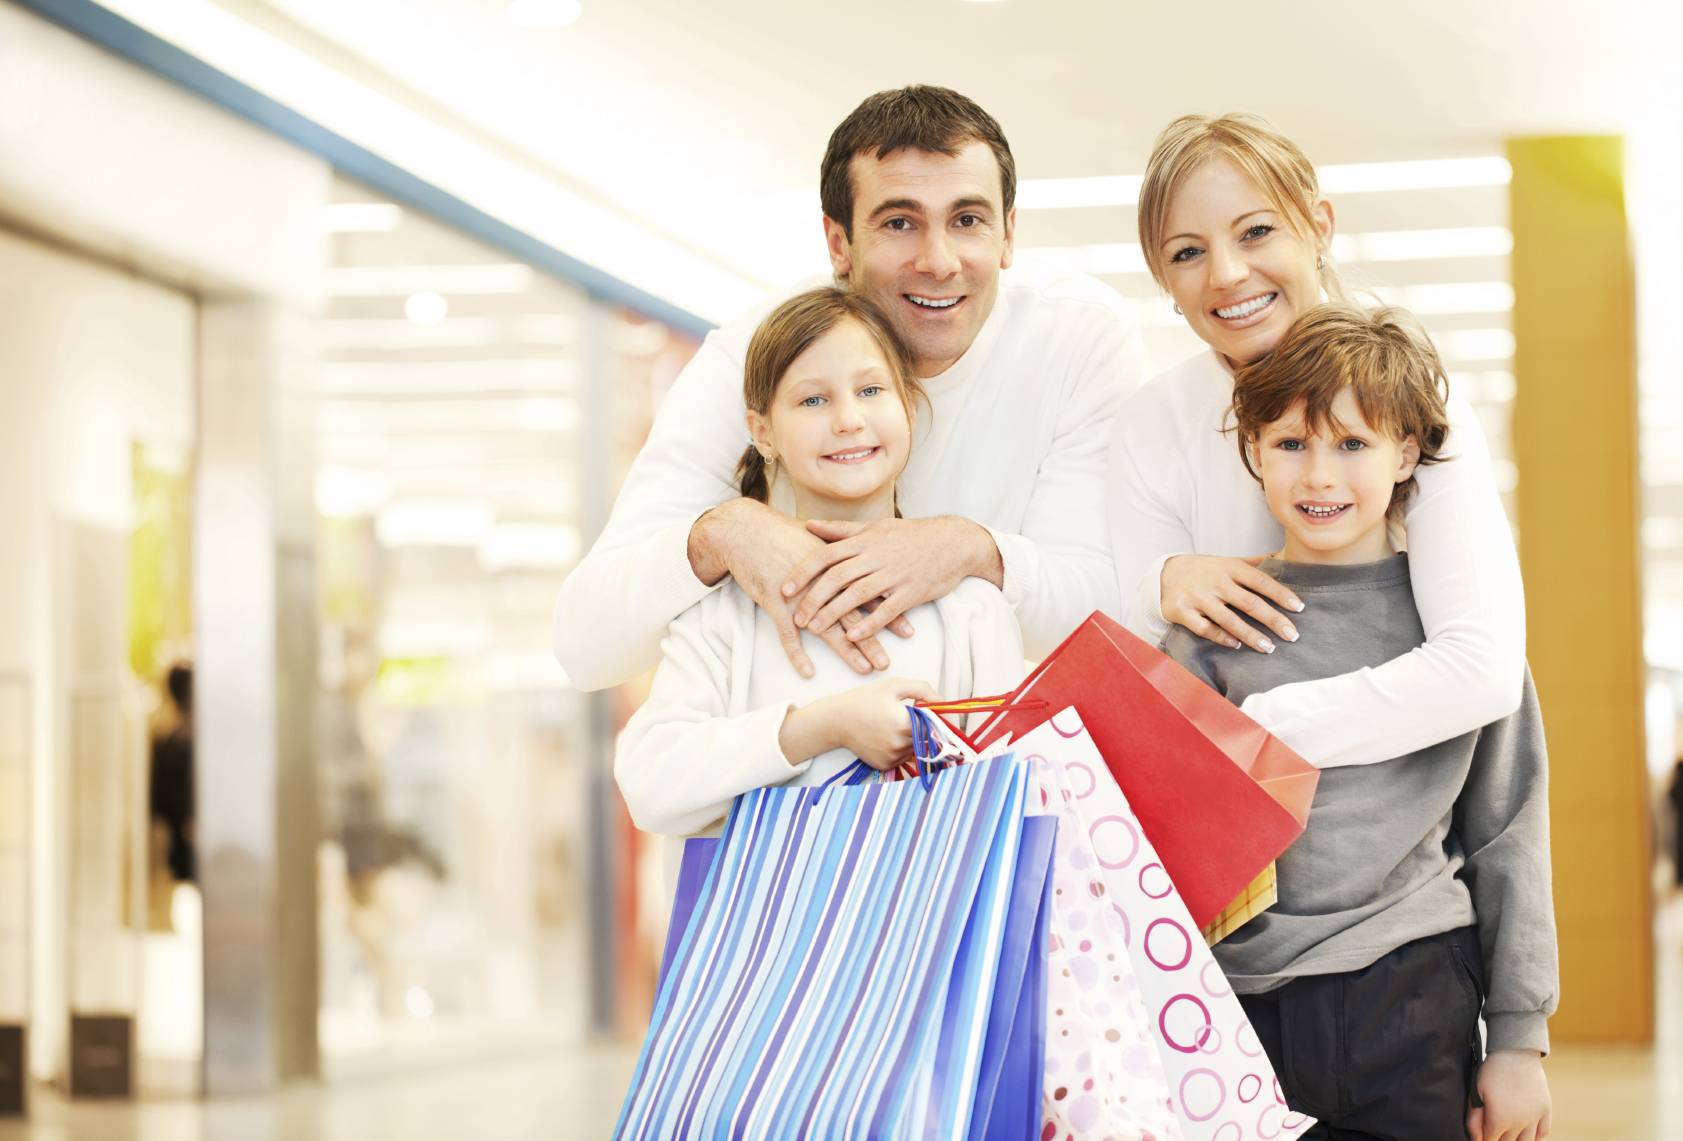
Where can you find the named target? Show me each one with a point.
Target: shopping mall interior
(329, 328)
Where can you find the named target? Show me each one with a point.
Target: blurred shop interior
(327, 331)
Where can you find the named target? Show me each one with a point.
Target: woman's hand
(1208, 593)
(869, 720)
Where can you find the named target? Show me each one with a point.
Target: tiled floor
(1600, 1094)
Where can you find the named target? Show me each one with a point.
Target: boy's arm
(1471, 600)
(1502, 819)
(681, 760)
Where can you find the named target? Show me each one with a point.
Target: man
(1006, 478)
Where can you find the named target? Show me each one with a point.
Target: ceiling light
(1451, 297)
(1477, 344)
(1348, 178)
(1074, 193)
(545, 13)
(1100, 258)
(1427, 174)
(426, 309)
(359, 217)
(389, 280)
(1424, 245)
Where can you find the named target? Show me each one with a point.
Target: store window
(458, 418)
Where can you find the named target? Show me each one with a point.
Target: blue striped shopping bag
(864, 960)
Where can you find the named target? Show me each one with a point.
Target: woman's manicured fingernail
(1291, 633)
(1266, 646)
(1297, 605)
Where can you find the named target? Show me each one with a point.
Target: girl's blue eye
(1290, 445)
(1353, 445)
(870, 390)
(812, 402)
(1185, 253)
(1260, 230)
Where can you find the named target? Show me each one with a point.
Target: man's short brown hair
(1382, 355)
(933, 119)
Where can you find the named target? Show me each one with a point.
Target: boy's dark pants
(1390, 1051)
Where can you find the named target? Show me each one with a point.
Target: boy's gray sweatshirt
(1428, 842)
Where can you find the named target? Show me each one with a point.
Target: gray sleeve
(1502, 818)
(1197, 654)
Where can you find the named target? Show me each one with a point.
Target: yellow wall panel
(1574, 438)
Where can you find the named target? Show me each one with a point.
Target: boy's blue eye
(1352, 445)
(812, 402)
(1290, 445)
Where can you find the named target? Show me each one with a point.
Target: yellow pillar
(1575, 443)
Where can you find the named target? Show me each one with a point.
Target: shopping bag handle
(998, 703)
(856, 773)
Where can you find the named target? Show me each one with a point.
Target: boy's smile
(1330, 487)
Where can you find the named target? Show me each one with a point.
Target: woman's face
(1237, 270)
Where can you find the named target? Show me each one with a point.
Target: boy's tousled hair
(1381, 355)
(933, 119)
(790, 330)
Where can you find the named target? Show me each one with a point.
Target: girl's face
(838, 427)
(1237, 270)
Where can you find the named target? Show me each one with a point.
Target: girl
(830, 395)
(1234, 229)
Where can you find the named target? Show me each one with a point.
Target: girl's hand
(1207, 593)
(870, 721)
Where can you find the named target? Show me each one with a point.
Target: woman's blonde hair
(1273, 162)
(790, 330)
(1383, 356)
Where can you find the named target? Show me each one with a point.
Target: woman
(1234, 229)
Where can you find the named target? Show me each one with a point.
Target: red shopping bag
(1218, 795)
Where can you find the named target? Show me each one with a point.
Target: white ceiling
(706, 121)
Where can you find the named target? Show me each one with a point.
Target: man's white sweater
(1014, 438)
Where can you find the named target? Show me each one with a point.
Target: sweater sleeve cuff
(672, 576)
(1016, 555)
(1148, 602)
(765, 765)
(1520, 1030)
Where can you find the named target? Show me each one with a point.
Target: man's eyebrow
(974, 202)
(911, 204)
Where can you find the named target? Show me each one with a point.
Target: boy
(1415, 876)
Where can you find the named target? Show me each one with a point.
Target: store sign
(101, 1055)
(14, 1070)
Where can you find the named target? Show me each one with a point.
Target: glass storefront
(456, 416)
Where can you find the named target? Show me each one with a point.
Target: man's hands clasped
(843, 582)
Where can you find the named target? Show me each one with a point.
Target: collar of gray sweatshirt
(1442, 838)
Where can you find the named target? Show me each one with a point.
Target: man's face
(930, 235)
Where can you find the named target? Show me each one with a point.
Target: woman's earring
(1178, 313)
(1320, 261)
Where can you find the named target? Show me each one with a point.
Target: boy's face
(1330, 489)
